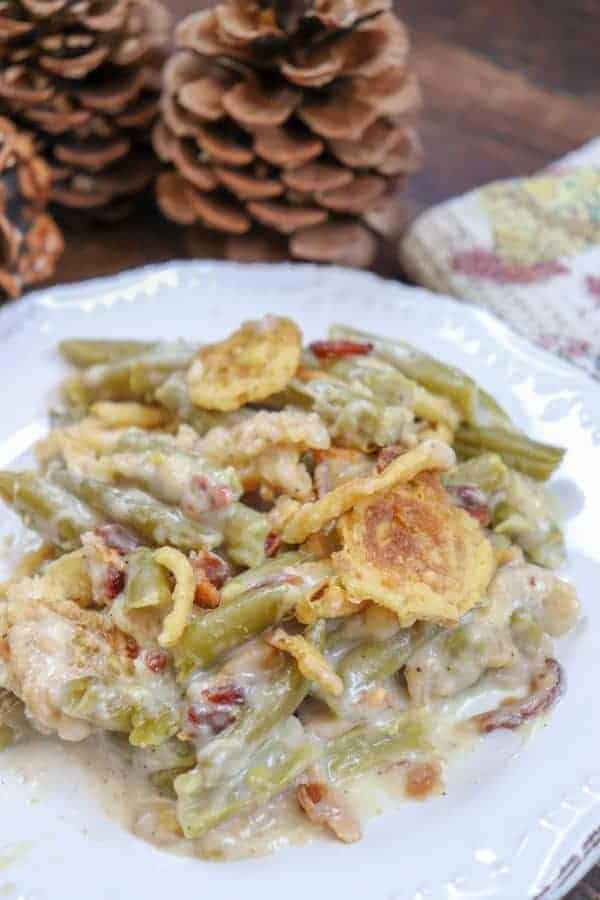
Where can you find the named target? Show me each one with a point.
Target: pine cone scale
(302, 110)
(82, 75)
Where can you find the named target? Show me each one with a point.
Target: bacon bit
(473, 501)
(218, 496)
(156, 661)
(212, 566)
(114, 582)
(422, 780)
(132, 648)
(315, 791)
(206, 594)
(117, 538)
(272, 543)
(216, 720)
(388, 454)
(325, 806)
(226, 695)
(546, 687)
(339, 349)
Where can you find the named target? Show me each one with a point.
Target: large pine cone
(292, 119)
(30, 241)
(84, 76)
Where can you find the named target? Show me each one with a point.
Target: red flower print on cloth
(592, 283)
(482, 263)
(571, 348)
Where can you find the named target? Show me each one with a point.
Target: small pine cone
(30, 241)
(292, 120)
(84, 77)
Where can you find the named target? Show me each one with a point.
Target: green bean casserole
(286, 581)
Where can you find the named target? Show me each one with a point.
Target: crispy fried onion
(256, 361)
(87, 436)
(126, 415)
(545, 688)
(311, 661)
(414, 552)
(183, 594)
(332, 602)
(326, 806)
(261, 431)
(266, 449)
(312, 517)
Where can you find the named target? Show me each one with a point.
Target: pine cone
(84, 76)
(291, 119)
(30, 241)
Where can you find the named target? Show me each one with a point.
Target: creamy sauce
(118, 779)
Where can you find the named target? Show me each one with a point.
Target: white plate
(516, 821)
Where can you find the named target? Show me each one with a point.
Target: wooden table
(509, 85)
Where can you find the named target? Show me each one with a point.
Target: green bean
(164, 780)
(156, 522)
(368, 746)
(123, 707)
(518, 451)
(85, 352)
(253, 578)
(353, 416)
(211, 635)
(436, 376)
(269, 704)
(176, 476)
(487, 472)
(245, 531)
(53, 511)
(373, 661)
(147, 581)
(391, 387)
(275, 766)
(133, 378)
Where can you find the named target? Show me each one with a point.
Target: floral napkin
(528, 249)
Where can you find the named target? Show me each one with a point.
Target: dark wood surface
(509, 86)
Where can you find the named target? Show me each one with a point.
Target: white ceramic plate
(516, 821)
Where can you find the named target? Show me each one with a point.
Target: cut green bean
(437, 377)
(245, 531)
(156, 522)
(391, 387)
(373, 661)
(124, 707)
(179, 478)
(147, 582)
(84, 352)
(270, 703)
(133, 378)
(368, 746)
(518, 451)
(211, 635)
(53, 511)
(253, 578)
(272, 769)
(487, 472)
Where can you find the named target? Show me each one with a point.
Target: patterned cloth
(527, 249)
